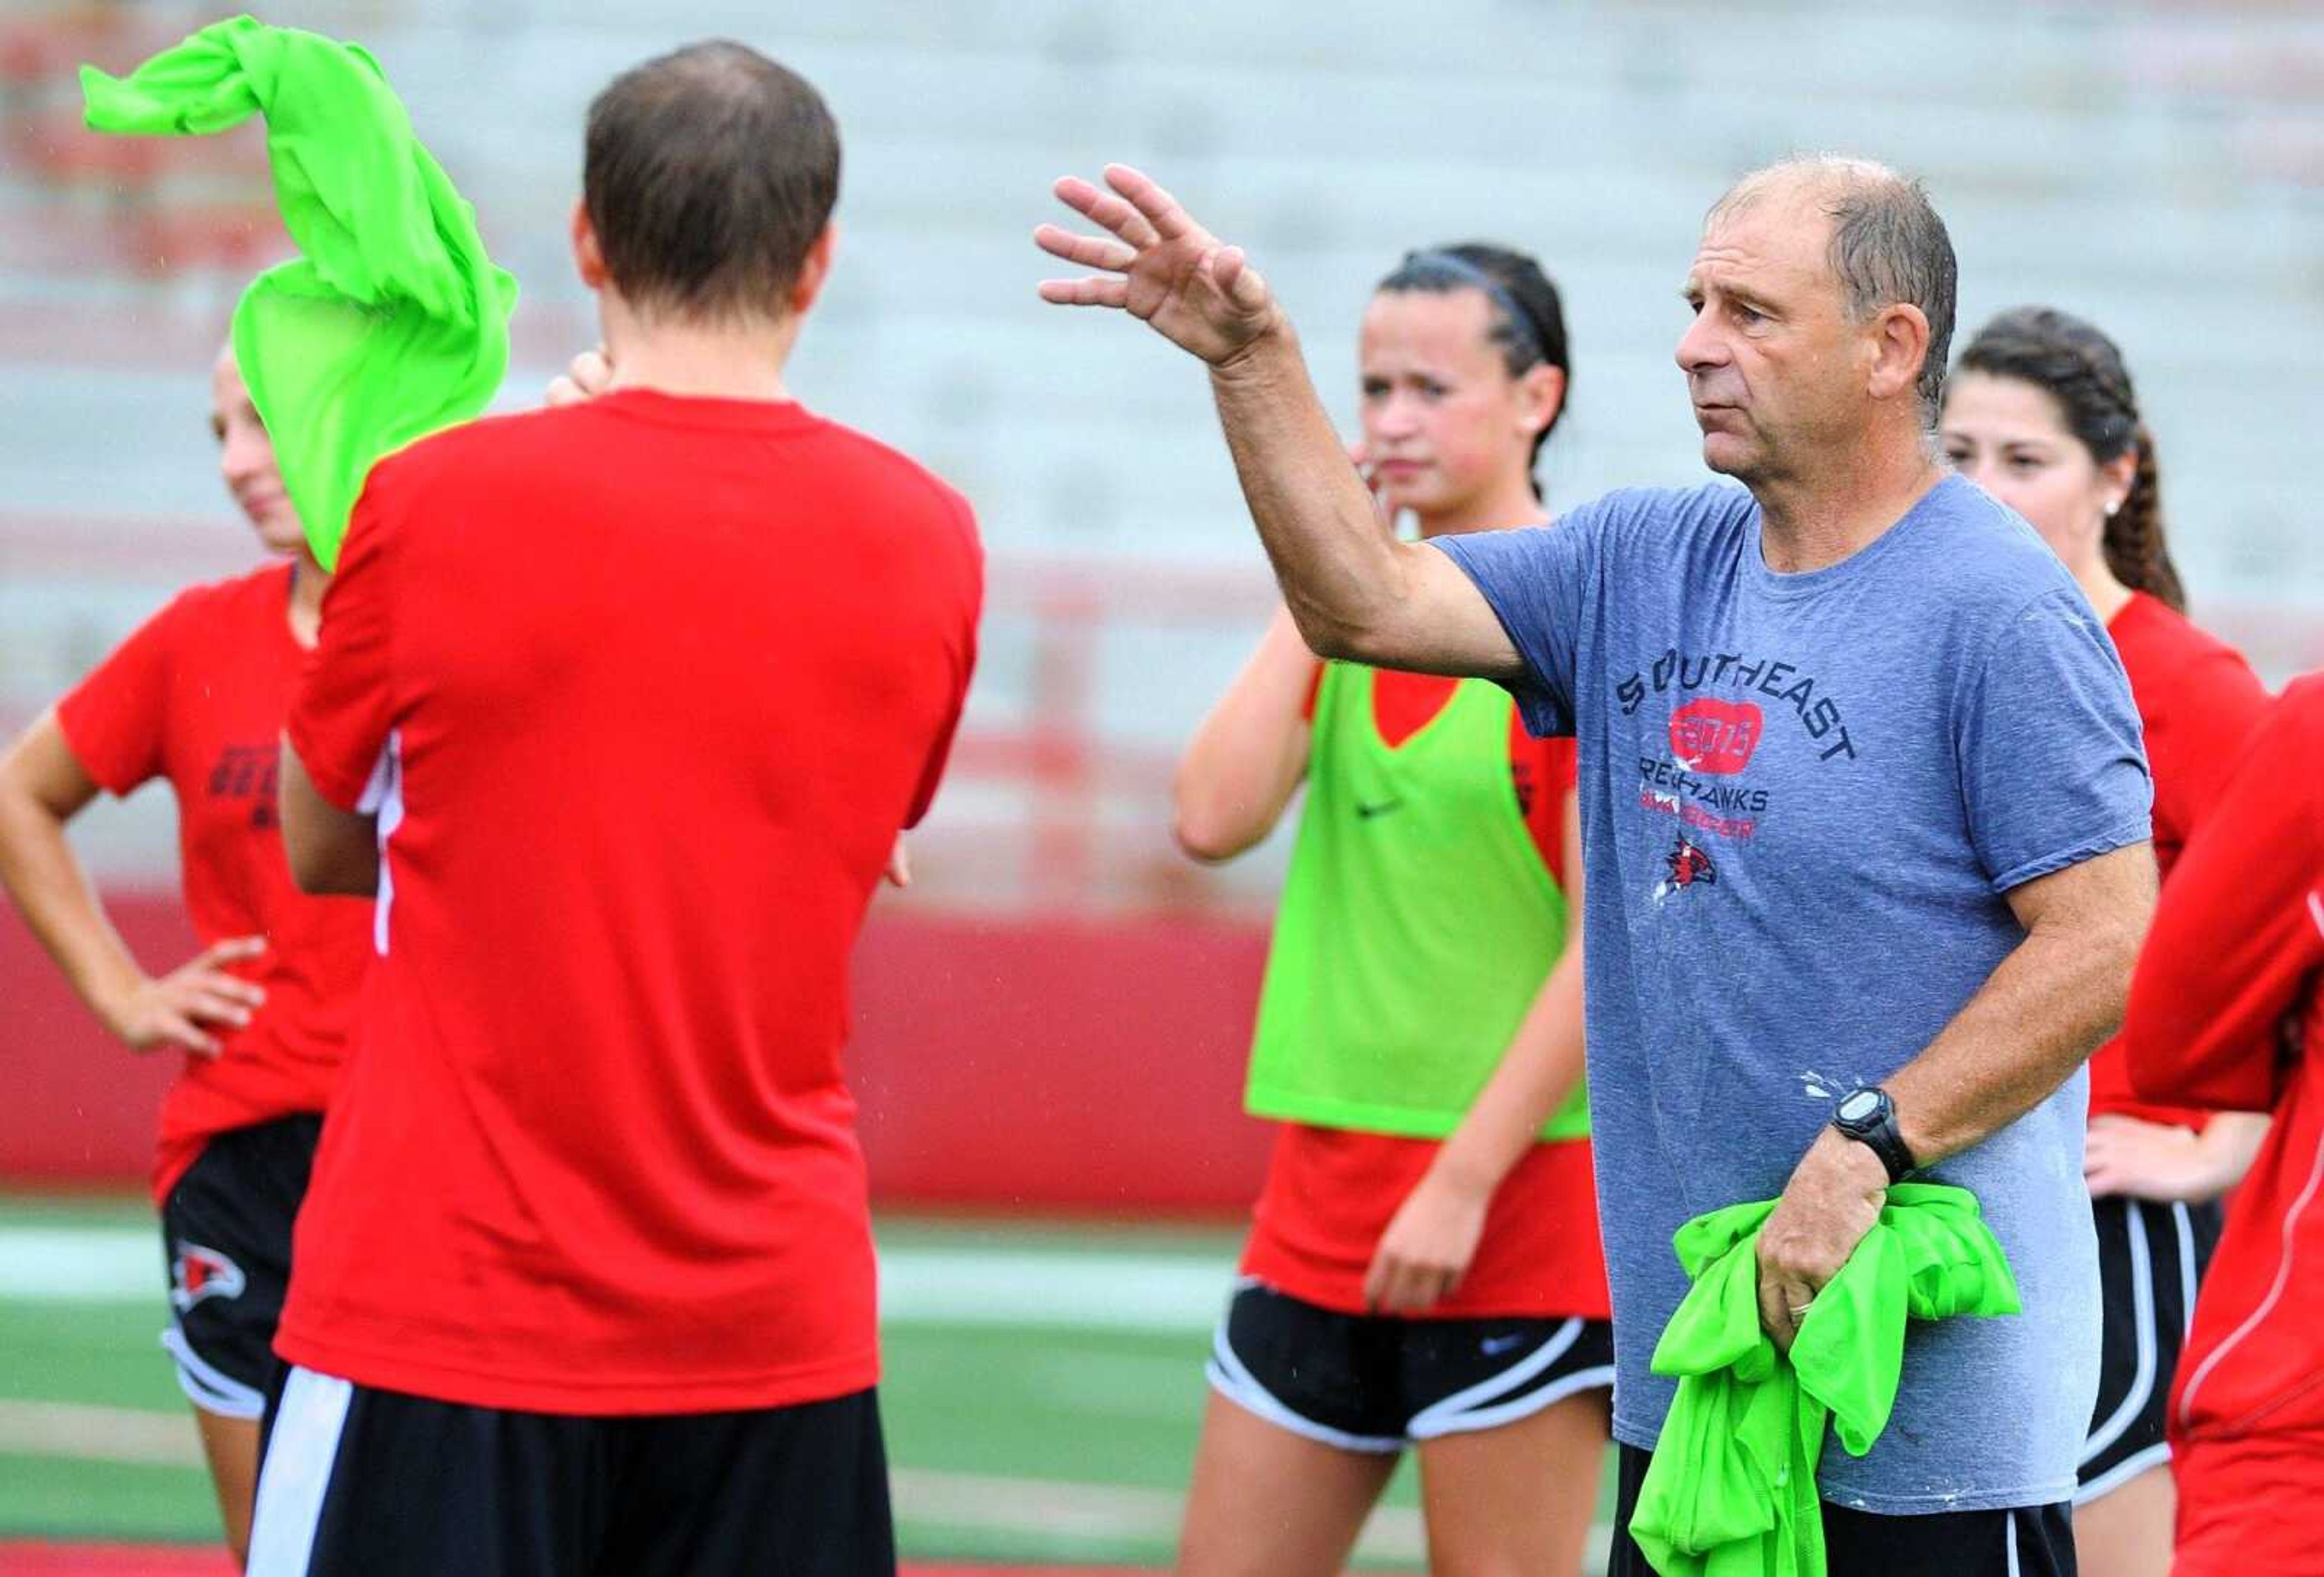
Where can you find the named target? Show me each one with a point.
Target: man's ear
(588, 258)
(1900, 347)
(815, 268)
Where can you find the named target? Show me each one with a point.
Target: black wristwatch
(1869, 1118)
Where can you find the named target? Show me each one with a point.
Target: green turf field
(1044, 1385)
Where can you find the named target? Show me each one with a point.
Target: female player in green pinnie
(1424, 1268)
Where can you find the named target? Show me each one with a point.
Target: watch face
(1857, 1105)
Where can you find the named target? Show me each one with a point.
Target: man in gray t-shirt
(1865, 808)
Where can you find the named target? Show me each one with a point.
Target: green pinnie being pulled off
(393, 322)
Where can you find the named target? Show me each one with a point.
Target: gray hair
(1889, 247)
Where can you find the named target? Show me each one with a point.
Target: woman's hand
(179, 1009)
(1427, 1247)
(2150, 1160)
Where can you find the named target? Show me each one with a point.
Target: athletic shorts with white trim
(357, 1482)
(2151, 1258)
(2020, 1541)
(225, 1240)
(1378, 1383)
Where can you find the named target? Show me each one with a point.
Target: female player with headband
(197, 695)
(2042, 412)
(1425, 1267)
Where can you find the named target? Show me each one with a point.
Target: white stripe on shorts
(300, 1456)
(1231, 1380)
(1474, 1408)
(2142, 1303)
(206, 1385)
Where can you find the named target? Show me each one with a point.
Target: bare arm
(1429, 1245)
(331, 851)
(1355, 591)
(42, 787)
(2161, 1161)
(2038, 1016)
(1241, 768)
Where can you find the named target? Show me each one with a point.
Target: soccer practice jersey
(2225, 1013)
(2197, 701)
(641, 692)
(198, 696)
(1331, 1192)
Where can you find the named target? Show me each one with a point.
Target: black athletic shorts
(2149, 1259)
(225, 1235)
(1378, 1383)
(2022, 1541)
(357, 1482)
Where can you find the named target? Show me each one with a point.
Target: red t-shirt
(2225, 1013)
(1331, 1192)
(2199, 700)
(642, 691)
(197, 695)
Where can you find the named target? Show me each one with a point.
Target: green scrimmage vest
(1417, 927)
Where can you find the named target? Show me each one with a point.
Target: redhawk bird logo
(1688, 867)
(197, 1273)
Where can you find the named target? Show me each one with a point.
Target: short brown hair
(1889, 247)
(709, 173)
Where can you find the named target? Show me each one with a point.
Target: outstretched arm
(1355, 591)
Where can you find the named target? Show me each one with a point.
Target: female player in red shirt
(197, 695)
(2225, 1013)
(1425, 1267)
(2042, 414)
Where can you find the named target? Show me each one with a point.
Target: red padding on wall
(1000, 1063)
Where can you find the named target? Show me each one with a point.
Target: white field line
(985, 1502)
(1093, 1289)
(99, 1434)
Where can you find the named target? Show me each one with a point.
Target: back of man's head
(709, 173)
(1888, 246)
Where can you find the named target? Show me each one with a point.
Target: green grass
(1116, 1408)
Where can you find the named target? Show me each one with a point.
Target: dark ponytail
(1528, 319)
(2082, 369)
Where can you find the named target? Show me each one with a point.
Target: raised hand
(179, 1009)
(1159, 266)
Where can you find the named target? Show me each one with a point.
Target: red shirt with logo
(1331, 1192)
(641, 692)
(198, 696)
(2197, 701)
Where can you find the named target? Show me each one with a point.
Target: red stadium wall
(1001, 1063)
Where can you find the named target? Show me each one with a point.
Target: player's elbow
(2110, 947)
(1205, 829)
(332, 853)
(324, 870)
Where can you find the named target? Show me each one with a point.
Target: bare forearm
(1340, 572)
(2231, 1141)
(2039, 1016)
(1542, 1066)
(1244, 762)
(60, 904)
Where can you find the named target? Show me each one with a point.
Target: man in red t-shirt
(620, 707)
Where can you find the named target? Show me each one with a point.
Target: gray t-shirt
(1802, 799)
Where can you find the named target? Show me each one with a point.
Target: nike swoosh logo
(1382, 809)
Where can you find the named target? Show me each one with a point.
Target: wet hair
(2082, 370)
(708, 174)
(1889, 247)
(1529, 318)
